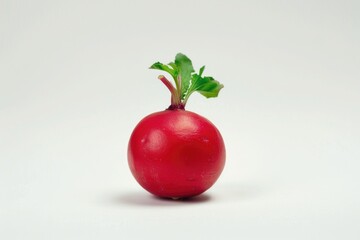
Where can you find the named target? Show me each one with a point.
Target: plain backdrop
(74, 82)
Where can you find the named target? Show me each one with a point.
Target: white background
(74, 81)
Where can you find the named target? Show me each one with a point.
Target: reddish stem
(175, 99)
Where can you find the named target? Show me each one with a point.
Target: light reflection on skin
(155, 140)
(185, 125)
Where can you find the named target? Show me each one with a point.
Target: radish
(177, 153)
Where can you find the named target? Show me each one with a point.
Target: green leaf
(186, 81)
(167, 68)
(173, 65)
(201, 70)
(206, 86)
(185, 69)
(209, 87)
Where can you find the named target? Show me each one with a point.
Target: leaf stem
(175, 99)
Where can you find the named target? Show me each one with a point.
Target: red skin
(176, 154)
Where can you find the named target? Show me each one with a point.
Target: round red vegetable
(177, 153)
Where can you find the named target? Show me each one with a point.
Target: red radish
(177, 153)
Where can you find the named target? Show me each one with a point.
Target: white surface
(74, 82)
